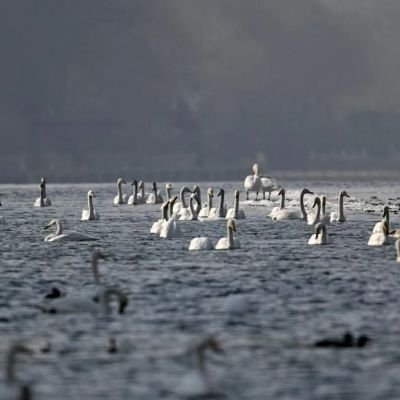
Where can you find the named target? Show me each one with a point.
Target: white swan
(235, 212)
(229, 242)
(191, 215)
(303, 192)
(397, 244)
(393, 233)
(196, 191)
(325, 218)
(315, 218)
(156, 227)
(142, 196)
(43, 200)
(252, 183)
(204, 212)
(16, 389)
(170, 228)
(182, 204)
(154, 197)
(120, 198)
(198, 383)
(90, 214)
(320, 236)
(379, 236)
(168, 191)
(201, 243)
(220, 211)
(282, 213)
(133, 199)
(339, 216)
(70, 304)
(268, 184)
(59, 235)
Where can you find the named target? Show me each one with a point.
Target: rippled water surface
(298, 294)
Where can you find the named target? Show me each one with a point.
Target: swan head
(317, 202)
(196, 189)
(90, 193)
(236, 194)
(195, 196)
(281, 192)
(185, 189)
(121, 181)
(134, 183)
(51, 223)
(141, 184)
(210, 192)
(323, 200)
(42, 180)
(168, 186)
(221, 192)
(155, 186)
(343, 193)
(231, 225)
(306, 191)
(386, 210)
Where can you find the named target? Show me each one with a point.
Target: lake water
(298, 294)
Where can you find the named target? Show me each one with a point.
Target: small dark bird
(54, 294)
(112, 346)
(348, 340)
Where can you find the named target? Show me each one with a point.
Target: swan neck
(192, 208)
(135, 193)
(42, 196)
(59, 228)
(341, 212)
(236, 207)
(44, 189)
(90, 206)
(182, 198)
(169, 193)
(210, 201)
(282, 200)
(323, 208)
(302, 208)
(318, 213)
(120, 193)
(230, 237)
(164, 213)
(221, 205)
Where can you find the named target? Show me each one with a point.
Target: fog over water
(185, 89)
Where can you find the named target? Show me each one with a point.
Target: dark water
(298, 294)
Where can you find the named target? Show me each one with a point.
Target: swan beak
(280, 192)
(220, 192)
(47, 226)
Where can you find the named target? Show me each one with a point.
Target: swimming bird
(303, 192)
(90, 214)
(220, 211)
(75, 305)
(348, 340)
(16, 389)
(379, 235)
(142, 196)
(320, 236)
(156, 227)
(393, 233)
(59, 235)
(314, 218)
(120, 198)
(182, 204)
(252, 183)
(282, 213)
(325, 218)
(204, 212)
(229, 242)
(196, 191)
(198, 382)
(168, 191)
(170, 228)
(192, 214)
(339, 216)
(43, 200)
(133, 198)
(235, 212)
(154, 197)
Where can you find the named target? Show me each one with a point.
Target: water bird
(182, 205)
(268, 185)
(205, 211)
(220, 211)
(320, 236)
(282, 213)
(339, 216)
(252, 183)
(133, 198)
(314, 218)
(229, 242)
(234, 212)
(43, 200)
(90, 214)
(191, 213)
(120, 198)
(156, 227)
(198, 383)
(59, 235)
(346, 341)
(170, 228)
(155, 196)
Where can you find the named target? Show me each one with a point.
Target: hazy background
(190, 89)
